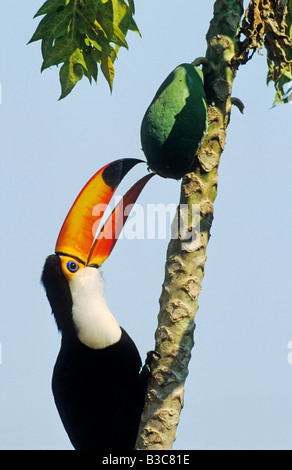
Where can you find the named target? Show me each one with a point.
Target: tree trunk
(185, 261)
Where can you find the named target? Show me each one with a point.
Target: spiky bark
(185, 264)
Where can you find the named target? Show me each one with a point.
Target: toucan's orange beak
(78, 233)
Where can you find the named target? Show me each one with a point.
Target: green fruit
(175, 122)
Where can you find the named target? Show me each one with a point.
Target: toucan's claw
(146, 369)
(151, 356)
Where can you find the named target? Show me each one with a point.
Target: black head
(58, 292)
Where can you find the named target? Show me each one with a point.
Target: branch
(185, 262)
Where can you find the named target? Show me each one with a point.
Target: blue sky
(239, 388)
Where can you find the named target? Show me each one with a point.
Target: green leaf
(50, 6)
(54, 55)
(54, 25)
(71, 72)
(107, 69)
(43, 30)
(91, 65)
(132, 26)
(115, 7)
(108, 18)
(85, 18)
(82, 34)
(132, 6)
(125, 18)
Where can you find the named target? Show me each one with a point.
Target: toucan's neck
(95, 325)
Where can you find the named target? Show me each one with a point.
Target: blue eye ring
(72, 266)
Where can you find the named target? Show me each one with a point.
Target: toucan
(98, 380)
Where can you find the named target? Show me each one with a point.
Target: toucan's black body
(99, 393)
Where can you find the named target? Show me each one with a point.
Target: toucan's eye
(72, 266)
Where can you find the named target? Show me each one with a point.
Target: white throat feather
(96, 327)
